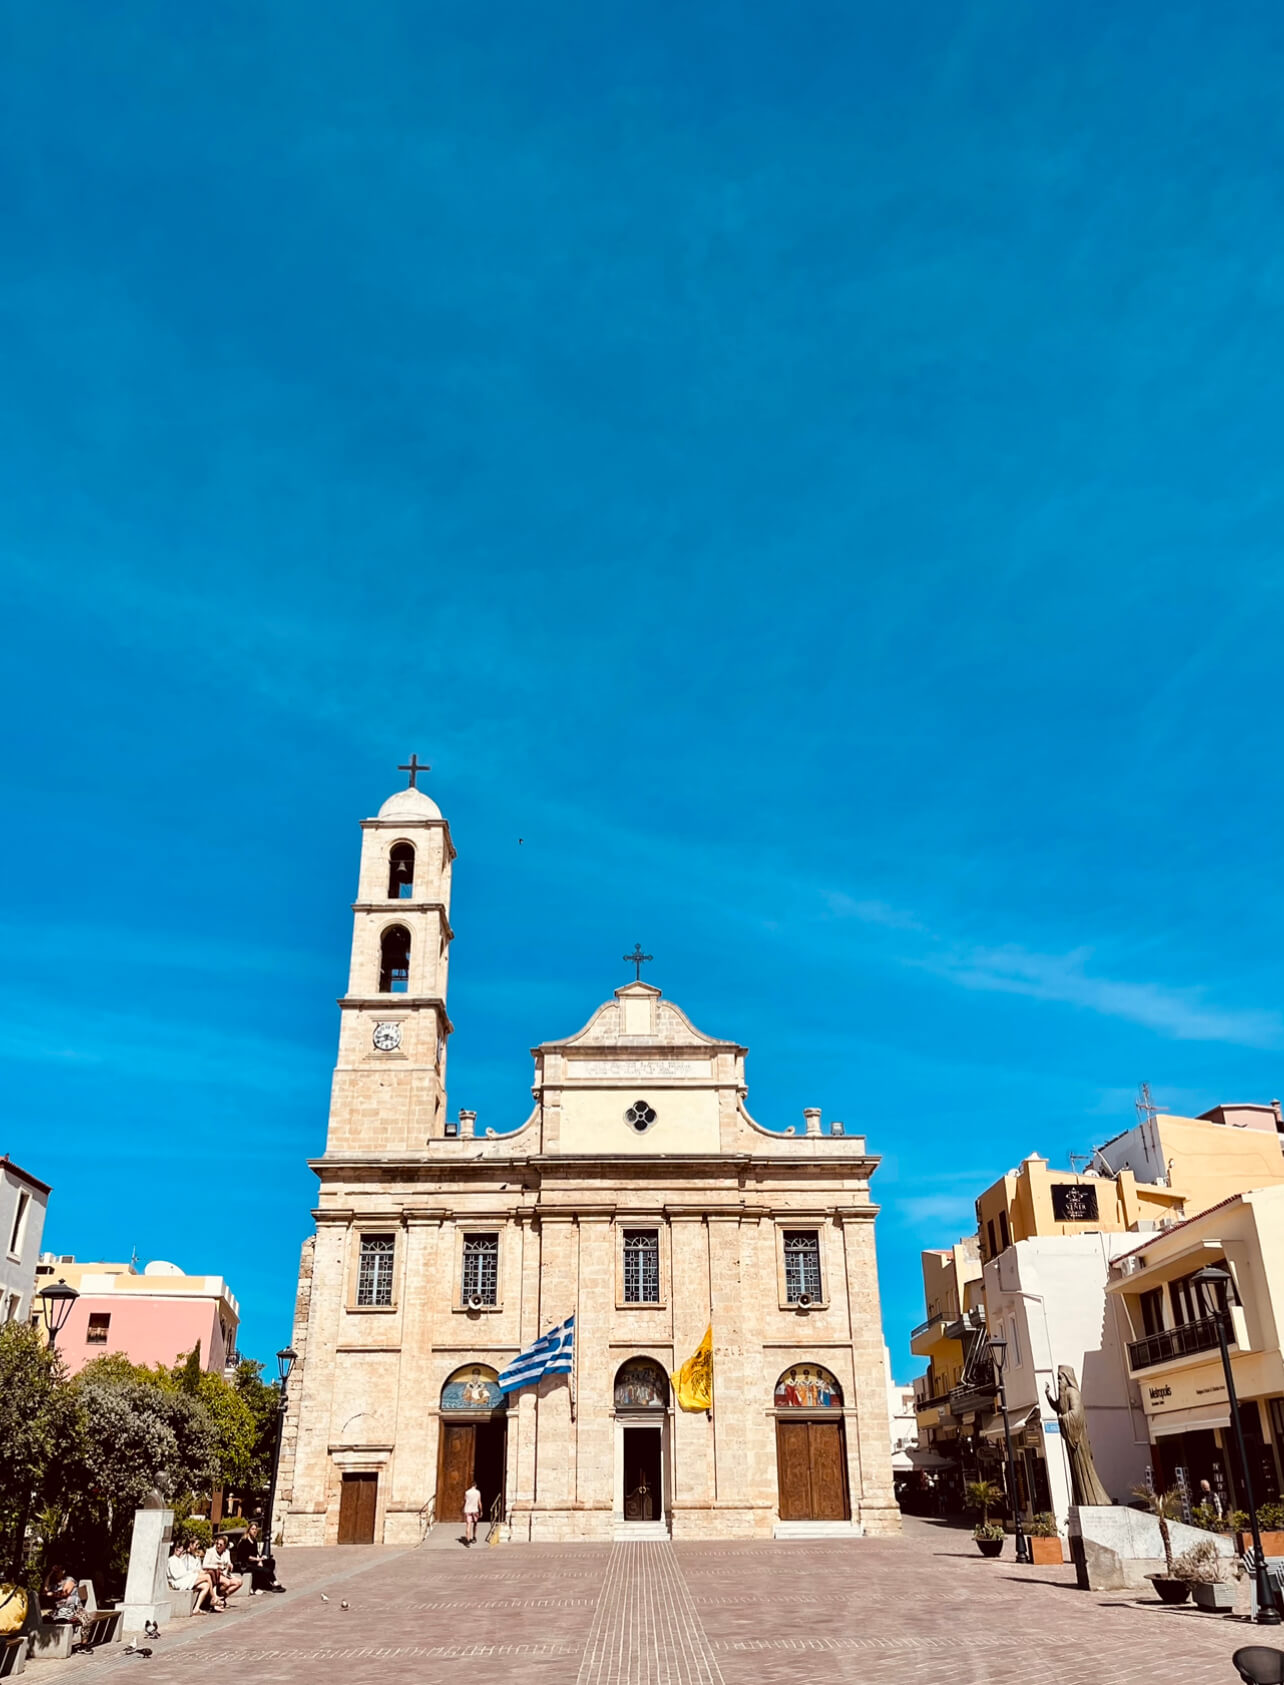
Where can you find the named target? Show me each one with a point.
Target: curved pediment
(639, 1016)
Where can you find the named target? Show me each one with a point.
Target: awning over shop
(992, 1426)
(918, 1457)
(1193, 1418)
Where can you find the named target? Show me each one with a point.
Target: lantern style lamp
(999, 1352)
(56, 1301)
(1213, 1284)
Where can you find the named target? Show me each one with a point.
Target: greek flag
(552, 1354)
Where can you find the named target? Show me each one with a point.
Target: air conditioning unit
(1130, 1266)
(475, 1304)
(803, 1302)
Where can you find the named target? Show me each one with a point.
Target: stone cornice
(405, 824)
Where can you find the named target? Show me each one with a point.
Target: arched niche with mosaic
(641, 1384)
(808, 1386)
(472, 1390)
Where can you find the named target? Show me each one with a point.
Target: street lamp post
(285, 1361)
(1212, 1284)
(999, 1351)
(56, 1301)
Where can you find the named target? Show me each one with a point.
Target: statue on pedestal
(1068, 1405)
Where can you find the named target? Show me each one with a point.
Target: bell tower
(389, 1090)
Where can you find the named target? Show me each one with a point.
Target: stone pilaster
(870, 1457)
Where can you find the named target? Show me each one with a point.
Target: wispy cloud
(956, 1211)
(1181, 1013)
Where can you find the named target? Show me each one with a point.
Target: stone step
(656, 1531)
(816, 1530)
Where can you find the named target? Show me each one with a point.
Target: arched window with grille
(394, 961)
(401, 872)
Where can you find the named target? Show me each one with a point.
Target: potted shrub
(984, 1495)
(1045, 1541)
(1169, 1586)
(1270, 1524)
(1204, 1570)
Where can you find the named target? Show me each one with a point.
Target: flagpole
(575, 1364)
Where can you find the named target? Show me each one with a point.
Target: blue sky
(809, 470)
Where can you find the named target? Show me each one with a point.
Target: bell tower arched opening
(401, 872)
(394, 961)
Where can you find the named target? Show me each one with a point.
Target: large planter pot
(1046, 1553)
(1272, 1543)
(1169, 1591)
(993, 1547)
(1220, 1595)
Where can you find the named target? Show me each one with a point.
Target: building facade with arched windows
(638, 1195)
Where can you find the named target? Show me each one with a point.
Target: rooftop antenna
(1147, 1110)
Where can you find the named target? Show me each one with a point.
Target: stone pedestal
(147, 1593)
(1121, 1546)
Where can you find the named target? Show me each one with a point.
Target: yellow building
(1146, 1180)
(1173, 1352)
(1164, 1169)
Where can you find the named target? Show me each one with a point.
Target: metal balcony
(1186, 1340)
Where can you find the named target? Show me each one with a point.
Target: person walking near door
(472, 1509)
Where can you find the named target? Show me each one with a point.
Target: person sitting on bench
(218, 1565)
(63, 1591)
(184, 1573)
(251, 1556)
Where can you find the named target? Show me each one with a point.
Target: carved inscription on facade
(631, 1070)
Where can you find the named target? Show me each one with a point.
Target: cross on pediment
(638, 959)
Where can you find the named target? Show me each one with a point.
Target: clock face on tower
(387, 1037)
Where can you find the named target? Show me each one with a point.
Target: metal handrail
(496, 1520)
(1185, 1340)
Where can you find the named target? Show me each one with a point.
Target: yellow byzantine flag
(693, 1383)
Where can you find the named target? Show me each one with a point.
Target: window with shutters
(374, 1269)
(642, 1266)
(802, 1266)
(480, 1280)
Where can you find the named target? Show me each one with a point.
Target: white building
(901, 1421)
(1047, 1298)
(23, 1200)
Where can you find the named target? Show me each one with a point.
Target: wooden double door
(811, 1461)
(470, 1451)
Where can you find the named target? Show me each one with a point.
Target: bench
(1274, 1575)
(13, 1653)
(99, 1628)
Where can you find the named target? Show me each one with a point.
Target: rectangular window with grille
(802, 1265)
(481, 1268)
(642, 1266)
(99, 1323)
(374, 1269)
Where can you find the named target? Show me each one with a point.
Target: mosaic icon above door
(806, 1386)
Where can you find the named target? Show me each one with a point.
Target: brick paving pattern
(925, 1609)
(646, 1630)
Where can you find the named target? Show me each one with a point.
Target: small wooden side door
(793, 1458)
(357, 1503)
(458, 1451)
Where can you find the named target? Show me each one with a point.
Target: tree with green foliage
(39, 1423)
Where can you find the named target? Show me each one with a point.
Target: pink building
(152, 1316)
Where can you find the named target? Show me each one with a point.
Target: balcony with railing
(928, 1334)
(1188, 1339)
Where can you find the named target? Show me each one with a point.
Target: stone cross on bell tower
(389, 1091)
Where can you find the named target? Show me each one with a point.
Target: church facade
(639, 1196)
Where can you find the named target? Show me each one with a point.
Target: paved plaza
(925, 1607)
